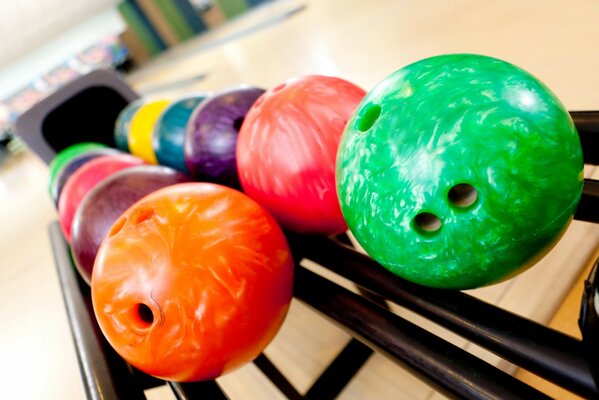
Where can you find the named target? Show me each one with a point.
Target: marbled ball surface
(459, 171)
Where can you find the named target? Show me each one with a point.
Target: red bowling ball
(83, 180)
(100, 209)
(287, 149)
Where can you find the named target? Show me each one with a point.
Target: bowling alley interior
(299, 199)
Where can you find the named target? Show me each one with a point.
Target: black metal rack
(366, 317)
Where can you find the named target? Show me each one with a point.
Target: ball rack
(454, 372)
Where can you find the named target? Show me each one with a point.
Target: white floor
(37, 357)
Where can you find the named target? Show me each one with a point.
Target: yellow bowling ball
(140, 131)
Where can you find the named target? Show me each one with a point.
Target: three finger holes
(462, 195)
(237, 123)
(143, 215)
(144, 315)
(427, 223)
(369, 116)
(116, 228)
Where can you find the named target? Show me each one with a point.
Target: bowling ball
(123, 124)
(102, 206)
(212, 131)
(65, 155)
(169, 132)
(83, 180)
(193, 281)
(287, 148)
(141, 128)
(459, 171)
(73, 165)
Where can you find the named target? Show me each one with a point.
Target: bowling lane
(363, 42)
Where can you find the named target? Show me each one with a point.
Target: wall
(58, 49)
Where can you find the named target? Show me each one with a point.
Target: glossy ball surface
(67, 154)
(123, 125)
(103, 205)
(192, 282)
(459, 171)
(73, 165)
(168, 137)
(287, 148)
(83, 180)
(141, 128)
(212, 132)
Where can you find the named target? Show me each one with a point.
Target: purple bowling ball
(211, 135)
(103, 205)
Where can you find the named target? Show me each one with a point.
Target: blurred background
(47, 43)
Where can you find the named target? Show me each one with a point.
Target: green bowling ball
(64, 156)
(459, 171)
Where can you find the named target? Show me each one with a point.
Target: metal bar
(589, 320)
(588, 207)
(587, 124)
(340, 372)
(145, 381)
(96, 366)
(543, 351)
(208, 390)
(276, 377)
(450, 369)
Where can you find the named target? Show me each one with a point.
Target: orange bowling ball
(192, 281)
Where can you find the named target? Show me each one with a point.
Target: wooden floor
(359, 41)
(565, 319)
